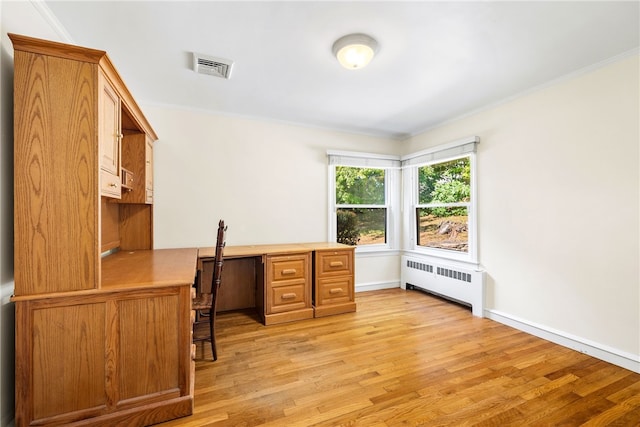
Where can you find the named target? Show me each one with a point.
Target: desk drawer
(334, 263)
(285, 268)
(289, 297)
(334, 290)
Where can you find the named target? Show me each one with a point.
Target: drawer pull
(336, 291)
(336, 264)
(288, 271)
(290, 295)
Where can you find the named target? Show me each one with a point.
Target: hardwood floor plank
(404, 358)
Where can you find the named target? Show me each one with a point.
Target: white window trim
(401, 197)
(462, 148)
(391, 164)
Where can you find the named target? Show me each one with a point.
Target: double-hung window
(363, 199)
(442, 200)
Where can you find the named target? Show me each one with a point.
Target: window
(440, 201)
(444, 198)
(361, 209)
(362, 200)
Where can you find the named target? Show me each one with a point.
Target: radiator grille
(419, 266)
(453, 274)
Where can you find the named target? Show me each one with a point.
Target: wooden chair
(204, 302)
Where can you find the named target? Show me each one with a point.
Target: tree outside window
(361, 208)
(444, 199)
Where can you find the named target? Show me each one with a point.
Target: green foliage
(347, 227)
(358, 186)
(446, 182)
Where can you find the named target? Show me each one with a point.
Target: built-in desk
(285, 282)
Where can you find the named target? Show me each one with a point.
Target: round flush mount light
(355, 51)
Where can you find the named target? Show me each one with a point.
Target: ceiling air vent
(211, 66)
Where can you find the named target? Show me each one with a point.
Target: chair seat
(202, 302)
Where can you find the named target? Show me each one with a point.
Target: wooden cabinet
(287, 293)
(100, 340)
(333, 290)
(108, 357)
(69, 106)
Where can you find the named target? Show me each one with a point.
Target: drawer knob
(290, 295)
(288, 271)
(336, 264)
(335, 291)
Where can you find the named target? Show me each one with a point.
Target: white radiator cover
(449, 281)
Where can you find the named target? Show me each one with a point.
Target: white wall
(267, 180)
(558, 193)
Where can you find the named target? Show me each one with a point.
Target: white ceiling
(437, 60)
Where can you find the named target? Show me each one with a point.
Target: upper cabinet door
(110, 133)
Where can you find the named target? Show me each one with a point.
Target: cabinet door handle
(288, 271)
(336, 264)
(335, 291)
(290, 295)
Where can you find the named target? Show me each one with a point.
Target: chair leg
(212, 319)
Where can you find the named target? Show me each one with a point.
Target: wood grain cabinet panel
(54, 156)
(149, 351)
(64, 381)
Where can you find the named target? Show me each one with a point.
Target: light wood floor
(404, 359)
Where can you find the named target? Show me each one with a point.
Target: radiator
(462, 285)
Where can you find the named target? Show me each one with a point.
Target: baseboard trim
(374, 286)
(600, 351)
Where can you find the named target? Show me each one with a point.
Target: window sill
(373, 252)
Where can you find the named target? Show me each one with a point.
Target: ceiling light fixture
(355, 51)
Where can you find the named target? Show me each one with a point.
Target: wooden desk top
(267, 249)
(159, 267)
(126, 270)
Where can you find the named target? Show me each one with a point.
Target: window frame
(440, 154)
(391, 166)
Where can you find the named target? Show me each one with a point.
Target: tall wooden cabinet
(100, 340)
